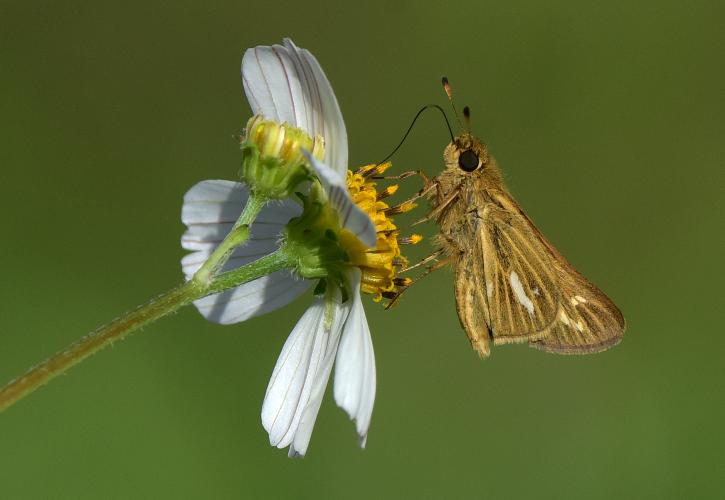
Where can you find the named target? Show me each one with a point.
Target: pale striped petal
(209, 211)
(221, 202)
(272, 87)
(252, 299)
(286, 84)
(355, 378)
(298, 382)
(351, 216)
(328, 120)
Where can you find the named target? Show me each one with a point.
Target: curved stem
(120, 327)
(236, 237)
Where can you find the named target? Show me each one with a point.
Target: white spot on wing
(520, 294)
(577, 299)
(489, 289)
(580, 326)
(564, 317)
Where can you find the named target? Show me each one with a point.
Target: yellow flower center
(379, 265)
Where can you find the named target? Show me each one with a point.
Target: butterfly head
(466, 154)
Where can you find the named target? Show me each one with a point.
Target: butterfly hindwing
(471, 305)
(587, 322)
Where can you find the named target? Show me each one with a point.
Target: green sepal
(320, 288)
(344, 293)
(271, 176)
(312, 241)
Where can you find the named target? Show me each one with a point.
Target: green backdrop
(607, 119)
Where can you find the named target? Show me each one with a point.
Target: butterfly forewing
(520, 290)
(587, 320)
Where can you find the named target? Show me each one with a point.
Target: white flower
(286, 84)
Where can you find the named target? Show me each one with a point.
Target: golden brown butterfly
(511, 284)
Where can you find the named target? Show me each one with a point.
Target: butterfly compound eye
(468, 160)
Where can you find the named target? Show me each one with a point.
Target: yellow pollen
(370, 170)
(379, 265)
(406, 206)
(413, 239)
(388, 191)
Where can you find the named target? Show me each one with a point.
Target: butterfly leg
(375, 172)
(424, 261)
(407, 283)
(405, 175)
(428, 185)
(442, 207)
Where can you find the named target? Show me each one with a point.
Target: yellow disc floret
(379, 265)
(282, 140)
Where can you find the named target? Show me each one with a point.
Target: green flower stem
(120, 327)
(236, 237)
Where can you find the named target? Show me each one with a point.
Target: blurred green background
(608, 121)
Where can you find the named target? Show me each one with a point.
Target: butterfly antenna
(407, 132)
(467, 118)
(449, 93)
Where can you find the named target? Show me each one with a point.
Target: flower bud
(273, 164)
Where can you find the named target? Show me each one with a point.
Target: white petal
(355, 367)
(298, 447)
(287, 84)
(298, 382)
(252, 299)
(271, 84)
(211, 208)
(324, 103)
(209, 211)
(351, 216)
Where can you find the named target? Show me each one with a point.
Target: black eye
(468, 160)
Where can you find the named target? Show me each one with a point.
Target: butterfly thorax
(470, 181)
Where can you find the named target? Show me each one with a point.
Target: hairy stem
(120, 327)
